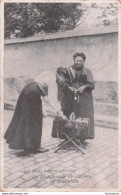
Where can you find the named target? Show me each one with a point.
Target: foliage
(26, 19)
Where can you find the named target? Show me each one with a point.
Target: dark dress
(25, 129)
(84, 107)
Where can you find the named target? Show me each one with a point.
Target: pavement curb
(101, 121)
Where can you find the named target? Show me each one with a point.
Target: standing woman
(77, 94)
(25, 129)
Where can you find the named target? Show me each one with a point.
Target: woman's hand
(81, 89)
(64, 117)
(74, 90)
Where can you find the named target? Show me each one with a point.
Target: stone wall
(25, 58)
(30, 56)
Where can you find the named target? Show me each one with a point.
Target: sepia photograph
(60, 96)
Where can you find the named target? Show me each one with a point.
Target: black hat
(79, 54)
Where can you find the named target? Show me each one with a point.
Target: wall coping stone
(62, 35)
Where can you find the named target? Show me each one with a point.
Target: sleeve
(64, 88)
(90, 80)
(53, 100)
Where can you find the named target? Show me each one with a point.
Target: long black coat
(84, 107)
(25, 129)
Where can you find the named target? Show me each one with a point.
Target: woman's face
(79, 62)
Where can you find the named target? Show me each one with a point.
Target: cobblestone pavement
(67, 168)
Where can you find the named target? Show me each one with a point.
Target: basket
(75, 128)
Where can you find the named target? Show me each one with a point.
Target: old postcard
(60, 96)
